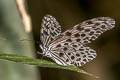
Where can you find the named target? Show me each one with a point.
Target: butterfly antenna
(25, 40)
(38, 42)
(42, 55)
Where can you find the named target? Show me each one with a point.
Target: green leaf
(41, 63)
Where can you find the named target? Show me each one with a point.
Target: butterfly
(70, 47)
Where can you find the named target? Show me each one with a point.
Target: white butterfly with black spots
(69, 47)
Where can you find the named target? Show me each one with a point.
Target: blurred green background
(68, 13)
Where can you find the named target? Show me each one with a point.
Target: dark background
(72, 12)
(69, 13)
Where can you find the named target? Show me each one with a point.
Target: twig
(26, 19)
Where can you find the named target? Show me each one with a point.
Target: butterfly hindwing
(50, 28)
(72, 54)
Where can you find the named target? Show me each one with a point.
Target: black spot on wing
(77, 35)
(59, 45)
(65, 43)
(89, 22)
(68, 33)
(65, 48)
(96, 24)
(67, 60)
(77, 55)
(69, 53)
(69, 40)
(103, 26)
(74, 45)
(72, 57)
(78, 40)
(79, 28)
(87, 30)
(91, 33)
(61, 54)
(45, 32)
(83, 35)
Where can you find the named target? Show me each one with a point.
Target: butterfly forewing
(89, 30)
(50, 28)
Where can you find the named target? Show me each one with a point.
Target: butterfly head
(46, 51)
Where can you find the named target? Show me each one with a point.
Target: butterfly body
(46, 51)
(69, 47)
